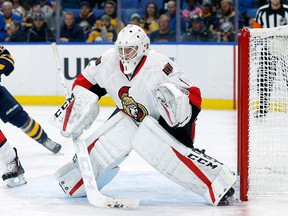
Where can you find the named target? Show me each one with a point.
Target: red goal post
(263, 112)
(243, 68)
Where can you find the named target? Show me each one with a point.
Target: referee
(273, 14)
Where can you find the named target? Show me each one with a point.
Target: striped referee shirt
(269, 18)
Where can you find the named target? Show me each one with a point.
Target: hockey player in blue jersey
(11, 111)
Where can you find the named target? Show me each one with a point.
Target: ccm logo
(207, 162)
(64, 106)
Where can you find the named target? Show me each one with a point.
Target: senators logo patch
(167, 69)
(136, 110)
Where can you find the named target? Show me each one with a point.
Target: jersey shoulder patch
(167, 68)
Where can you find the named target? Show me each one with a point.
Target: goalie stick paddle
(94, 196)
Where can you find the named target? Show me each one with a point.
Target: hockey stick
(94, 196)
(60, 70)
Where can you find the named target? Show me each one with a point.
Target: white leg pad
(108, 147)
(70, 179)
(187, 167)
(111, 142)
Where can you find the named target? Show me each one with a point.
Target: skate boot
(14, 175)
(52, 146)
(228, 198)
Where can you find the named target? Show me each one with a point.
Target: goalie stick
(94, 196)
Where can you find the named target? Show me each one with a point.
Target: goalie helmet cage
(263, 89)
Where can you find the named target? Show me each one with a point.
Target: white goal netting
(268, 111)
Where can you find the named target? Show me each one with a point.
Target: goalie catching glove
(173, 104)
(77, 113)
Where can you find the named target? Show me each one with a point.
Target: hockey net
(263, 112)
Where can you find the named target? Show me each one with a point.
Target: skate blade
(16, 181)
(55, 149)
(231, 201)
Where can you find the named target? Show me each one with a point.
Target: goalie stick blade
(109, 202)
(95, 197)
(121, 203)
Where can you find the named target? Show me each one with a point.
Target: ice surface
(215, 132)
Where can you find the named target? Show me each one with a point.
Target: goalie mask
(131, 45)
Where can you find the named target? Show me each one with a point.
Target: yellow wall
(107, 101)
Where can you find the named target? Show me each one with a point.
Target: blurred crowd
(97, 21)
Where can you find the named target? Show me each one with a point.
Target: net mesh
(268, 117)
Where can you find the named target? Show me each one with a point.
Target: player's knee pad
(188, 167)
(108, 147)
(10, 108)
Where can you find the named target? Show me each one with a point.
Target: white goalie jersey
(136, 94)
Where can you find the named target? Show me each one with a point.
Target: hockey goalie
(157, 107)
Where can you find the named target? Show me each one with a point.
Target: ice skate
(14, 175)
(228, 198)
(52, 146)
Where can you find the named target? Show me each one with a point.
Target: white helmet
(131, 45)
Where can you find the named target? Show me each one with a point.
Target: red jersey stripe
(195, 96)
(82, 81)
